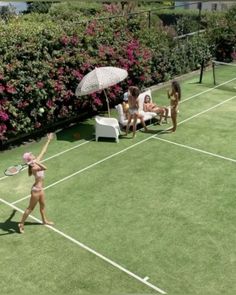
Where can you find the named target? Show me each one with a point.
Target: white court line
(195, 149)
(92, 251)
(192, 148)
(208, 90)
(211, 108)
(88, 167)
(198, 94)
(144, 281)
(58, 154)
(68, 150)
(122, 151)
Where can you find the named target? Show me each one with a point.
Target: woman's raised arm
(44, 149)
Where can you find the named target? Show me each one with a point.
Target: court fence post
(213, 71)
(202, 69)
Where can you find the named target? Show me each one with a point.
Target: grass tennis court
(150, 215)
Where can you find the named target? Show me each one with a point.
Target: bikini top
(40, 174)
(173, 97)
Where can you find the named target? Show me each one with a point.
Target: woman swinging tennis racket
(36, 169)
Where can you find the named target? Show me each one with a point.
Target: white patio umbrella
(100, 79)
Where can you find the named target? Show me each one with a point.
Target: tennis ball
(41, 110)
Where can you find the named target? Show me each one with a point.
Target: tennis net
(224, 75)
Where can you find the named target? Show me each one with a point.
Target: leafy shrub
(184, 21)
(222, 34)
(75, 10)
(38, 7)
(43, 57)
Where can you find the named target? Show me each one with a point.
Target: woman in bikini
(133, 93)
(149, 106)
(36, 169)
(125, 105)
(175, 96)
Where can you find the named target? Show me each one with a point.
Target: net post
(201, 73)
(149, 19)
(213, 71)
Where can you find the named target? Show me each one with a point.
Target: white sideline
(198, 94)
(58, 154)
(88, 167)
(211, 108)
(196, 149)
(205, 91)
(124, 150)
(68, 150)
(144, 281)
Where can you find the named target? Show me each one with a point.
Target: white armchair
(107, 127)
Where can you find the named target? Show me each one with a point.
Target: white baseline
(144, 281)
(67, 150)
(124, 150)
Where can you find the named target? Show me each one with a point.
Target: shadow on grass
(124, 136)
(77, 132)
(11, 227)
(158, 132)
(107, 139)
(195, 83)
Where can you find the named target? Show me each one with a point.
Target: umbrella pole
(108, 108)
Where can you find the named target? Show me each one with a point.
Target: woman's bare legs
(134, 125)
(166, 111)
(142, 121)
(33, 201)
(174, 119)
(135, 117)
(42, 209)
(128, 123)
(161, 114)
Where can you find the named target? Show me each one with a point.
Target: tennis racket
(13, 170)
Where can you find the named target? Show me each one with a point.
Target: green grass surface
(160, 205)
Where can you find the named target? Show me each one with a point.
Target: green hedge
(43, 58)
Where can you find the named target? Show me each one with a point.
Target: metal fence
(151, 14)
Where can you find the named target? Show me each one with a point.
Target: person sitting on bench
(149, 106)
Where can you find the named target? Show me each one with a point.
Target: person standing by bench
(174, 94)
(133, 93)
(125, 105)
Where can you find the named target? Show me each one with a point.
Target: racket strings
(12, 170)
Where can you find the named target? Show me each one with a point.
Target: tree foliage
(44, 56)
(38, 6)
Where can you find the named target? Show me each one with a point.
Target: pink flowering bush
(41, 70)
(42, 61)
